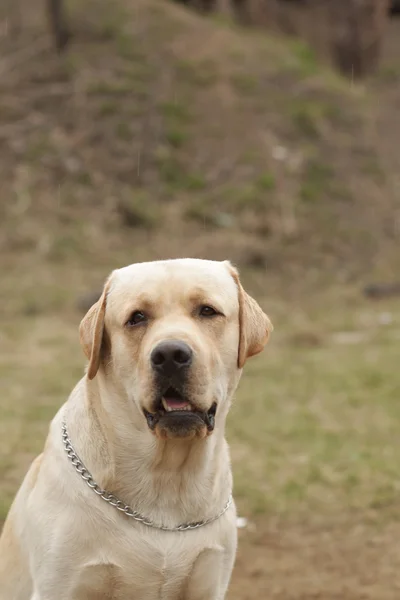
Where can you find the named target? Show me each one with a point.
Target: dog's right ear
(91, 331)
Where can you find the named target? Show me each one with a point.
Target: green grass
(245, 84)
(317, 181)
(137, 209)
(303, 59)
(266, 181)
(176, 137)
(314, 426)
(203, 73)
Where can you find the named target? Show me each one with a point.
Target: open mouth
(173, 400)
(176, 413)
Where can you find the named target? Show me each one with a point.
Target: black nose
(170, 357)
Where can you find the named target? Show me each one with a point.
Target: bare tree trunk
(241, 10)
(357, 28)
(204, 6)
(55, 11)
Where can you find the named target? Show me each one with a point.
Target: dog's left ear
(91, 331)
(254, 325)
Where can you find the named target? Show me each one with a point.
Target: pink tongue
(175, 403)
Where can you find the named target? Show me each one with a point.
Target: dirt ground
(350, 560)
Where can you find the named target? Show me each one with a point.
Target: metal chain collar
(119, 505)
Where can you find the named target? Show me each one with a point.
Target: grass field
(314, 425)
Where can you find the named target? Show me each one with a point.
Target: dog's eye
(136, 318)
(207, 311)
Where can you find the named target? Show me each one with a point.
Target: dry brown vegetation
(244, 136)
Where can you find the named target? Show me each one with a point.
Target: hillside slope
(163, 133)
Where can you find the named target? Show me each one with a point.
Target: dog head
(175, 335)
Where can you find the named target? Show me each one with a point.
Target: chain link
(121, 506)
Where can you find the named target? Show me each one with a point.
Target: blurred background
(263, 131)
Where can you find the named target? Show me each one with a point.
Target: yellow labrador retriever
(131, 498)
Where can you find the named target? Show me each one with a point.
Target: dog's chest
(100, 580)
(142, 570)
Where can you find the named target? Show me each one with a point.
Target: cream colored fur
(60, 540)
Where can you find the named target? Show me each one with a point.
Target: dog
(131, 497)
